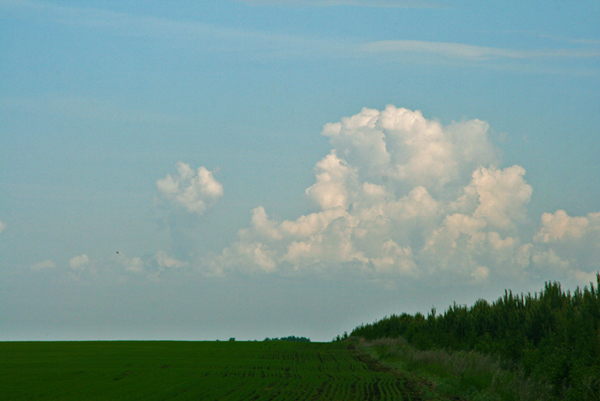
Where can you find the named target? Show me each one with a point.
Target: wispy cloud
(204, 37)
(45, 265)
(470, 52)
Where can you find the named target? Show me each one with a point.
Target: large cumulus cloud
(400, 195)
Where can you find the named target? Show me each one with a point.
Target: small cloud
(79, 262)
(165, 260)
(133, 265)
(2, 226)
(194, 191)
(480, 274)
(46, 264)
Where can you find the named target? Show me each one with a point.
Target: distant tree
(289, 339)
(232, 339)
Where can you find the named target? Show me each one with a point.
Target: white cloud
(385, 191)
(468, 52)
(78, 265)
(330, 189)
(132, 265)
(503, 195)
(202, 37)
(166, 261)
(480, 274)
(400, 195)
(568, 246)
(79, 262)
(2, 227)
(45, 265)
(194, 191)
(559, 226)
(402, 144)
(549, 260)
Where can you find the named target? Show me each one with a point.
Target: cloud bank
(398, 198)
(403, 197)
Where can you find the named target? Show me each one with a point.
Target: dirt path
(416, 388)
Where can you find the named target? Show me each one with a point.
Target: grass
(195, 371)
(462, 375)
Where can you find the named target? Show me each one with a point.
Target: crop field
(162, 370)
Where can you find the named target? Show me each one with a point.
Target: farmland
(161, 370)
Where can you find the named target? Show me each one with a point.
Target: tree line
(553, 335)
(289, 339)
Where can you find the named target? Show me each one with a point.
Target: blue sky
(270, 168)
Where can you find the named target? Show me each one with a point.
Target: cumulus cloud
(400, 195)
(559, 226)
(384, 192)
(501, 196)
(193, 191)
(568, 245)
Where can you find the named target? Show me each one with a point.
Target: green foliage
(339, 338)
(467, 375)
(553, 335)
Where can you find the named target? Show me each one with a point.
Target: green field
(163, 370)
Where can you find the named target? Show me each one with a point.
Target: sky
(259, 168)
